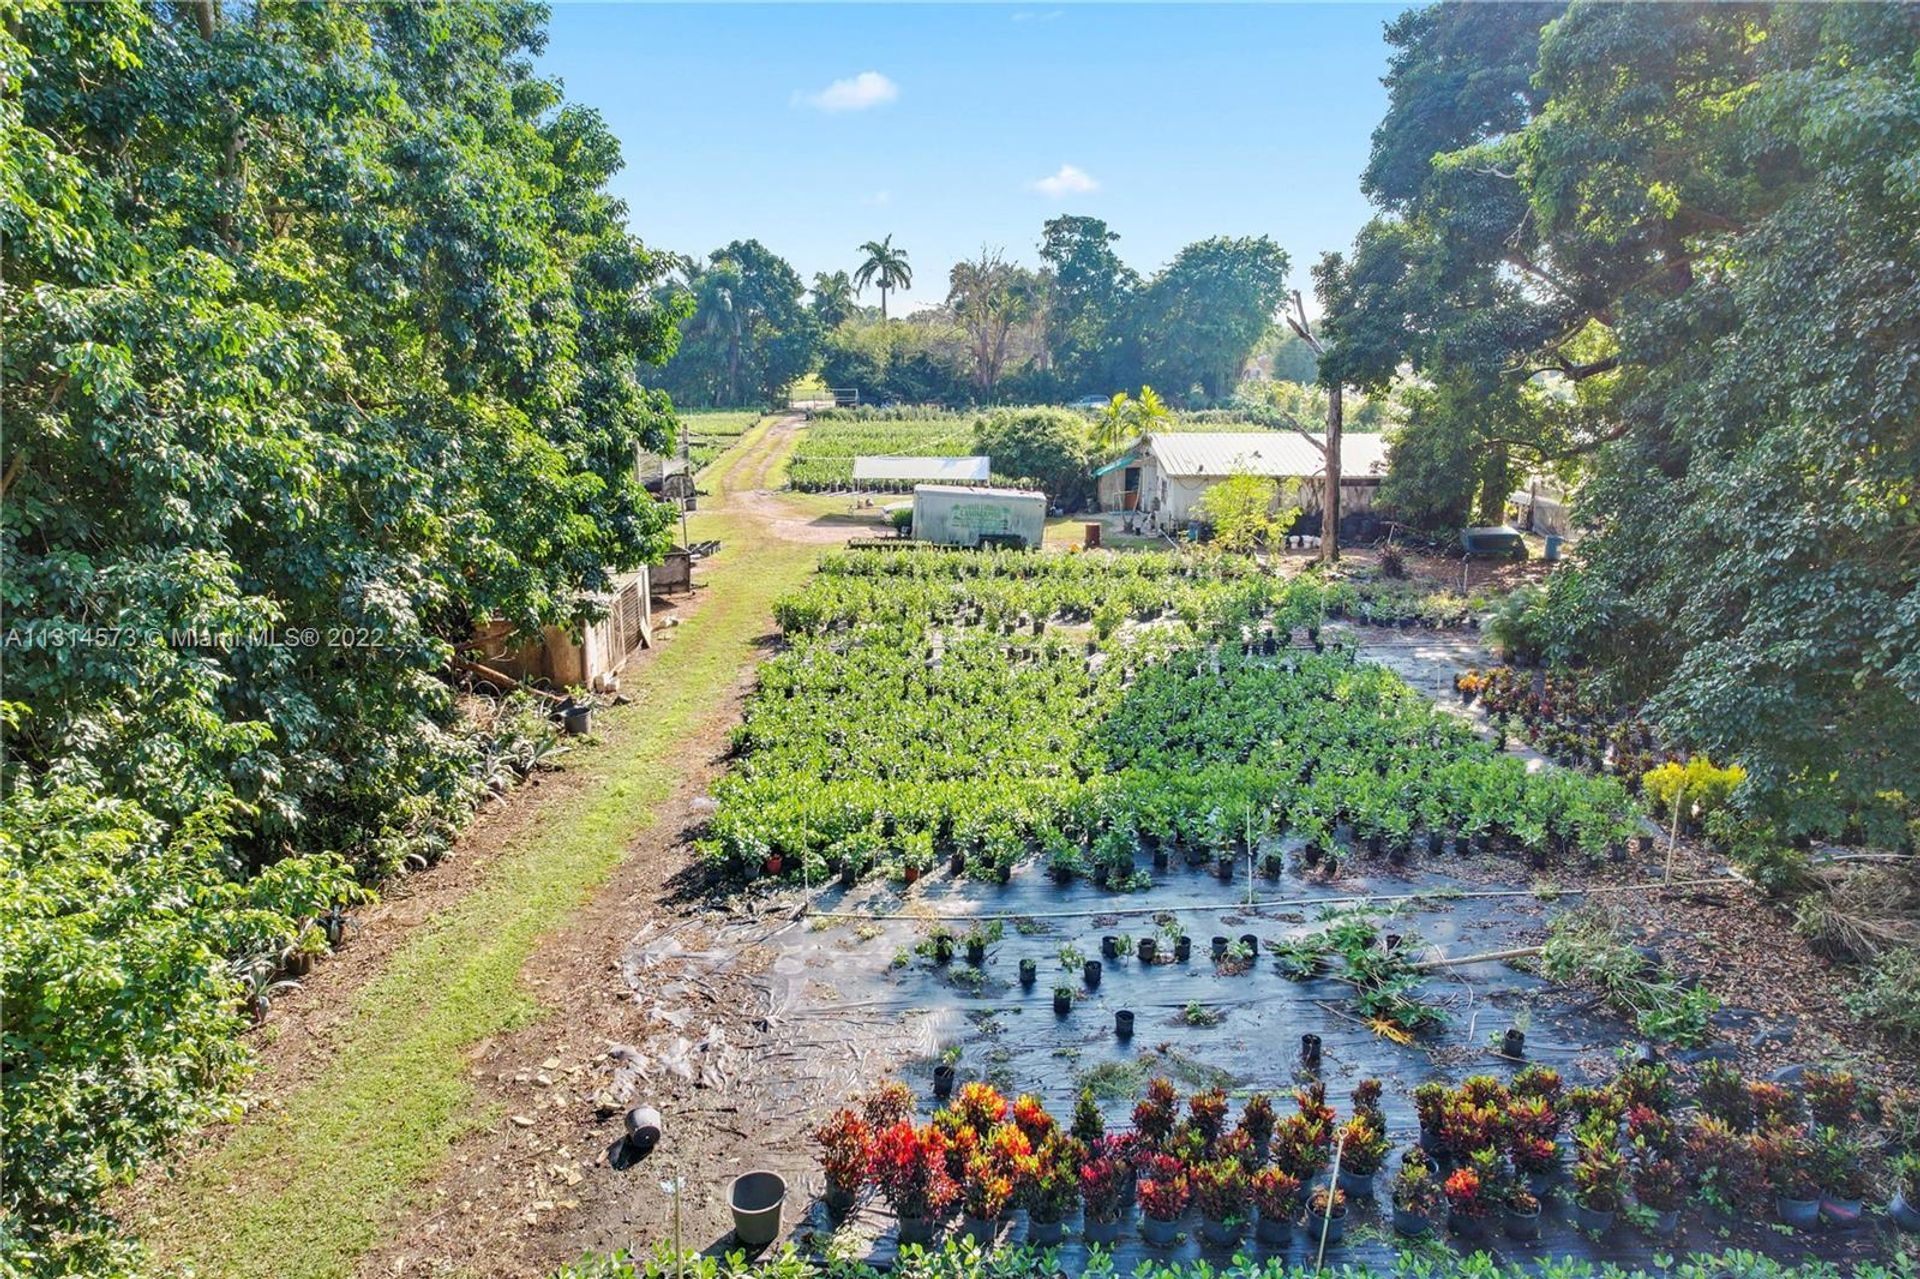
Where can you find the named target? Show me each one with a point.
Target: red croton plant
(909, 1167)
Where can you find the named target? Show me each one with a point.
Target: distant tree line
(1081, 323)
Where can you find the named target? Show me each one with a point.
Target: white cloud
(878, 198)
(857, 93)
(1070, 180)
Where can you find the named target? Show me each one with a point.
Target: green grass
(302, 1190)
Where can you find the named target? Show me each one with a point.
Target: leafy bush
(124, 1004)
(1046, 448)
(1699, 785)
(1521, 625)
(1889, 998)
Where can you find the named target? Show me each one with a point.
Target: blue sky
(813, 128)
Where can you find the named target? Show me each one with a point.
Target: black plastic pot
(957, 865)
(1029, 970)
(1062, 1005)
(1310, 1051)
(1090, 973)
(1273, 864)
(1219, 948)
(849, 874)
(1006, 872)
(1110, 947)
(976, 951)
(942, 950)
(1160, 859)
(1514, 1044)
(1123, 1024)
(1223, 867)
(943, 1076)
(1147, 949)
(1183, 948)
(1252, 944)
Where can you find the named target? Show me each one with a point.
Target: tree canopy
(324, 341)
(751, 333)
(1676, 242)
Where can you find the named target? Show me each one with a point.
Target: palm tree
(1126, 419)
(885, 267)
(832, 298)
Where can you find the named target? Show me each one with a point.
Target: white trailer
(965, 515)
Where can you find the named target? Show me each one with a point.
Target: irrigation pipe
(807, 911)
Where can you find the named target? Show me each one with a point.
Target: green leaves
(323, 344)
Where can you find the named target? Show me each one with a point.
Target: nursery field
(823, 461)
(1169, 916)
(1084, 707)
(711, 432)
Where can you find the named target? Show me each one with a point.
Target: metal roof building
(1165, 473)
(1279, 454)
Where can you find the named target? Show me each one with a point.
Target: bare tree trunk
(883, 304)
(1330, 508)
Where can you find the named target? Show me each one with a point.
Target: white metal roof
(1275, 453)
(953, 470)
(975, 490)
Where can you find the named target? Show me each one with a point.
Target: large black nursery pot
(1183, 948)
(1090, 971)
(1123, 1024)
(1219, 948)
(1029, 970)
(1110, 946)
(1148, 949)
(943, 1075)
(976, 951)
(1310, 1051)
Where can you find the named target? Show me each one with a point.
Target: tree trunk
(1330, 508)
(883, 304)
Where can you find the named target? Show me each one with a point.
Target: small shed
(929, 470)
(1164, 474)
(592, 658)
(970, 515)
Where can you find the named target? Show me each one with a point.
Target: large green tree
(751, 333)
(1693, 226)
(320, 322)
(1203, 315)
(1091, 292)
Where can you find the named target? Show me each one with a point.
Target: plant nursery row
(963, 1259)
(1094, 709)
(824, 459)
(1638, 1151)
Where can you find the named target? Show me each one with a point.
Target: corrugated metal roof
(1275, 453)
(953, 470)
(975, 490)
